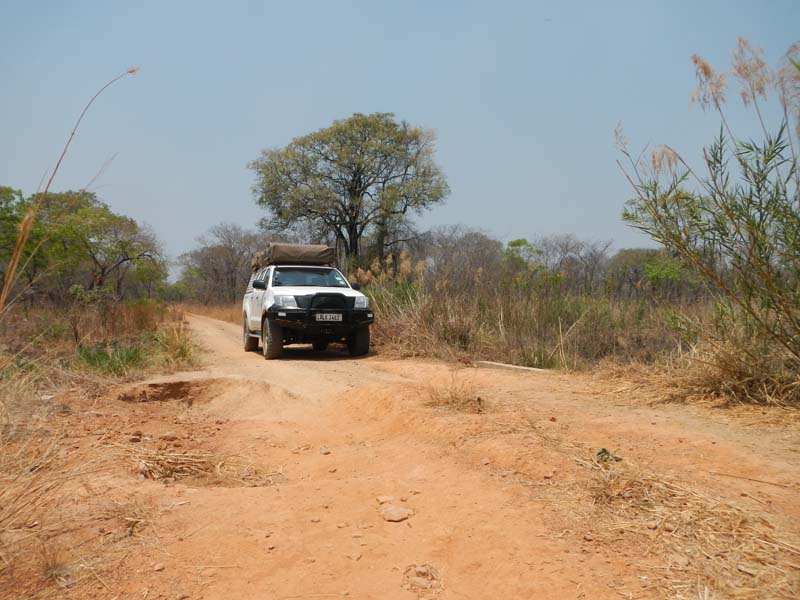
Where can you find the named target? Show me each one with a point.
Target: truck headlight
(285, 301)
(361, 302)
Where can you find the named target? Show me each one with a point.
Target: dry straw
(711, 547)
(201, 466)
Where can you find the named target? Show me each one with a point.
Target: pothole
(186, 392)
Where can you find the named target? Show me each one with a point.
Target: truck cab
(304, 303)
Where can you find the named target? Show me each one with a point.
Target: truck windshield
(308, 277)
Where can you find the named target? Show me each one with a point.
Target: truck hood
(289, 290)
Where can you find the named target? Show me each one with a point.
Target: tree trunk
(352, 240)
(381, 240)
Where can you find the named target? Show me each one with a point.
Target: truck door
(255, 298)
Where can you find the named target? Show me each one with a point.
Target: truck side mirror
(355, 285)
(259, 285)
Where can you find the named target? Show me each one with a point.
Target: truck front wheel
(358, 343)
(271, 339)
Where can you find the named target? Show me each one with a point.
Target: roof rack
(294, 254)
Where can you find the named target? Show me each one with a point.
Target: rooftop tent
(294, 254)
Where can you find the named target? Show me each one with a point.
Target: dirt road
(505, 503)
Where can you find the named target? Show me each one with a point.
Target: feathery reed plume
(788, 84)
(751, 71)
(30, 216)
(711, 85)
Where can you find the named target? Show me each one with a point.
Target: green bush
(113, 359)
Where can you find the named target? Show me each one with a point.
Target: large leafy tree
(78, 240)
(360, 174)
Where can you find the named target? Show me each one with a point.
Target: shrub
(738, 229)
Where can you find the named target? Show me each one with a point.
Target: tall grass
(544, 328)
(734, 221)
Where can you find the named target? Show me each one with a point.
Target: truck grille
(325, 301)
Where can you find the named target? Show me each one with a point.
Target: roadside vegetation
(712, 309)
(83, 307)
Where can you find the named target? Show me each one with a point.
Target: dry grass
(176, 344)
(232, 313)
(53, 563)
(547, 328)
(31, 475)
(37, 477)
(712, 549)
(40, 474)
(458, 394)
(199, 466)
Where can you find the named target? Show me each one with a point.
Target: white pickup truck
(289, 303)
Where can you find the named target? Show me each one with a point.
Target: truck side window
(265, 275)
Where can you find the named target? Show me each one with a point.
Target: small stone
(341, 525)
(652, 524)
(309, 560)
(332, 470)
(137, 433)
(169, 437)
(403, 498)
(670, 527)
(158, 567)
(552, 419)
(394, 513)
(271, 547)
(423, 571)
(384, 499)
(548, 475)
(485, 461)
(324, 450)
(419, 582)
(588, 537)
(182, 596)
(354, 556)
(135, 439)
(315, 519)
(357, 534)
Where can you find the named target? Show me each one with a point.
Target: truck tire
(250, 343)
(271, 339)
(358, 343)
(320, 346)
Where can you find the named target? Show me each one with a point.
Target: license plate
(328, 317)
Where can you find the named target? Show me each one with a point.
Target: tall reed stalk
(29, 219)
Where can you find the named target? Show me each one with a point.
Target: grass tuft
(458, 394)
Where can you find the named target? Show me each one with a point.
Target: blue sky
(524, 97)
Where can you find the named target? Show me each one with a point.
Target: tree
(77, 240)
(218, 270)
(361, 173)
